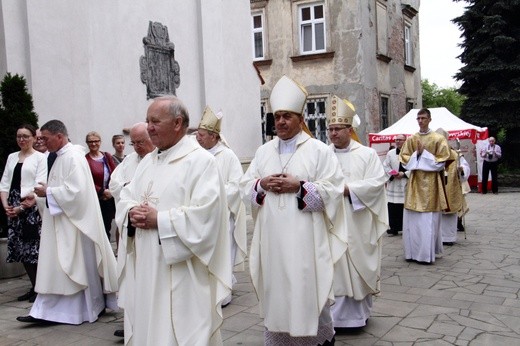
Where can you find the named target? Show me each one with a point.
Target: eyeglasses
(93, 142)
(336, 129)
(20, 137)
(137, 143)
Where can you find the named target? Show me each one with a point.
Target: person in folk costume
(295, 186)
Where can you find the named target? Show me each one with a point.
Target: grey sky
(439, 39)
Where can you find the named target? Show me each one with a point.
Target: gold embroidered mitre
(211, 121)
(342, 112)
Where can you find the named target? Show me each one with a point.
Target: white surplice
(357, 274)
(395, 188)
(181, 270)
(74, 249)
(293, 251)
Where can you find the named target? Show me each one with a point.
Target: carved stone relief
(159, 69)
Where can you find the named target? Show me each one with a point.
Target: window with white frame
(408, 52)
(312, 28)
(257, 21)
(316, 118)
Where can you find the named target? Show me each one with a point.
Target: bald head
(140, 139)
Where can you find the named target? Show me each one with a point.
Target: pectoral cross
(147, 196)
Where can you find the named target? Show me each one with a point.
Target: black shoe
(26, 296)
(30, 319)
(348, 330)
(448, 243)
(391, 233)
(33, 298)
(120, 333)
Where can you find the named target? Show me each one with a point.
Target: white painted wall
(82, 61)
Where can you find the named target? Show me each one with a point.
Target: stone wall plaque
(159, 69)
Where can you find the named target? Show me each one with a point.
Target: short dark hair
(425, 111)
(55, 126)
(116, 137)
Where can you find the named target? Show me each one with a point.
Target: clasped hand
(143, 216)
(280, 183)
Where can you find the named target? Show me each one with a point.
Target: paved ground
(468, 297)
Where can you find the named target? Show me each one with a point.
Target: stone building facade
(366, 51)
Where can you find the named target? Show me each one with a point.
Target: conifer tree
(16, 108)
(491, 75)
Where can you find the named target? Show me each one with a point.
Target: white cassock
(231, 172)
(74, 249)
(357, 274)
(181, 270)
(293, 251)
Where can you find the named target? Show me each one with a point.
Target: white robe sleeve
(173, 248)
(425, 162)
(465, 168)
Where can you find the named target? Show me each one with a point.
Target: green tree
(491, 73)
(434, 96)
(16, 108)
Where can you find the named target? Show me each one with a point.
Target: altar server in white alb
(209, 137)
(76, 263)
(295, 184)
(173, 220)
(122, 176)
(357, 274)
(395, 186)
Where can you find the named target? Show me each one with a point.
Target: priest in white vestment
(77, 266)
(295, 184)
(395, 186)
(357, 274)
(209, 137)
(173, 221)
(121, 176)
(424, 154)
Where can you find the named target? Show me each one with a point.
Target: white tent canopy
(441, 117)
